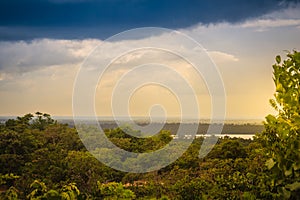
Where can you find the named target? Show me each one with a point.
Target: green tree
(228, 149)
(70, 192)
(42, 120)
(191, 188)
(10, 194)
(85, 170)
(38, 190)
(113, 191)
(19, 124)
(281, 137)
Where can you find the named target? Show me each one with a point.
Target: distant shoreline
(233, 128)
(154, 119)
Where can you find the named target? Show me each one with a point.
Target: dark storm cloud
(77, 19)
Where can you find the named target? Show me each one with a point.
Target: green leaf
(270, 163)
(278, 59)
(296, 166)
(286, 194)
(279, 88)
(288, 172)
(270, 119)
(294, 186)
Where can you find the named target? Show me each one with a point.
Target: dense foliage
(43, 159)
(281, 139)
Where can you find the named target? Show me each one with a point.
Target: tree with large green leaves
(113, 191)
(281, 137)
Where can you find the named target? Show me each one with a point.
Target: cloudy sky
(45, 43)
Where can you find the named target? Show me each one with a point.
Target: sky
(44, 44)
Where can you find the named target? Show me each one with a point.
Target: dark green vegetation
(43, 159)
